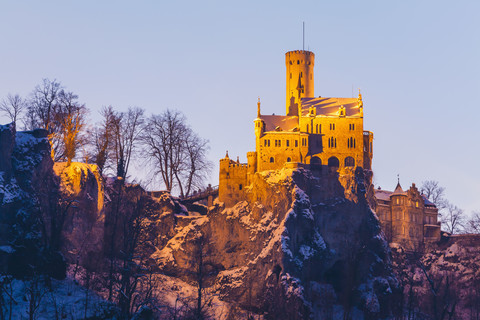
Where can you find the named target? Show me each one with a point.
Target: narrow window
(272, 160)
(307, 127)
(288, 143)
(296, 143)
(268, 142)
(289, 159)
(264, 143)
(279, 143)
(301, 74)
(290, 75)
(239, 187)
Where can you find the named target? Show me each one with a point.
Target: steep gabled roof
(286, 123)
(330, 106)
(398, 190)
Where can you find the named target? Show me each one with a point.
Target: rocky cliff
(297, 248)
(443, 283)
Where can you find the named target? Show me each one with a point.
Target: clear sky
(416, 62)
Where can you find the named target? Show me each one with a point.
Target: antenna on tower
(303, 35)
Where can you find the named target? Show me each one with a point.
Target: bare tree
(13, 106)
(473, 224)
(453, 218)
(70, 117)
(126, 128)
(103, 138)
(42, 108)
(434, 192)
(195, 165)
(175, 151)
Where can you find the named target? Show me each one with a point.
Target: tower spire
(258, 108)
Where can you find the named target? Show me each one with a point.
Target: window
(290, 75)
(332, 142)
(289, 159)
(240, 187)
(333, 162)
(351, 143)
(349, 162)
(296, 143)
(351, 126)
(301, 74)
(332, 126)
(272, 160)
(307, 127)
(298, 61)
(265, 142)
(288, 143)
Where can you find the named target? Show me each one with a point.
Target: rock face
(82, 204)
(28, 193)
(296, 248)
(442, 283)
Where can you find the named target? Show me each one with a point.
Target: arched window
(349, 162)
(272, 160)
(289, 159)
(333, 162)
(315, 163)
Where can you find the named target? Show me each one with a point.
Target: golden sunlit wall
(300, 78)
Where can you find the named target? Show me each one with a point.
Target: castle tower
(299, 82)
(259, 127)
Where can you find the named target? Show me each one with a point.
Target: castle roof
(286, 123)
(383, 194)
(330, 106)
(398, 190)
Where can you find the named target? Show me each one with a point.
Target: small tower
(259, 127)
(299, 65)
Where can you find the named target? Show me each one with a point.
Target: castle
(315, 132)
(407, 217)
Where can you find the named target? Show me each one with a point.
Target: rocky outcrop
(442, 283)
(81, 207)
(28, 194)
(298, 247)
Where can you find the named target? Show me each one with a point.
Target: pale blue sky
(416, 62)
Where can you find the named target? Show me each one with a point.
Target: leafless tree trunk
(177, 153)
(42, 108)
(103, 138)
(71, 120)
(453, 219)
(435, 193)
(13, 107)
(127, 127)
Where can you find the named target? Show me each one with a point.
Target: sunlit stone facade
(407, 217)
(316, 131)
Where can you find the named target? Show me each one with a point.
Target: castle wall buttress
(232, 181)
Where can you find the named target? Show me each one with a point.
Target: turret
(251, 165)
(259, 126)
(299, 65)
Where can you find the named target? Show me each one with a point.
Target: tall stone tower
(300, 77)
